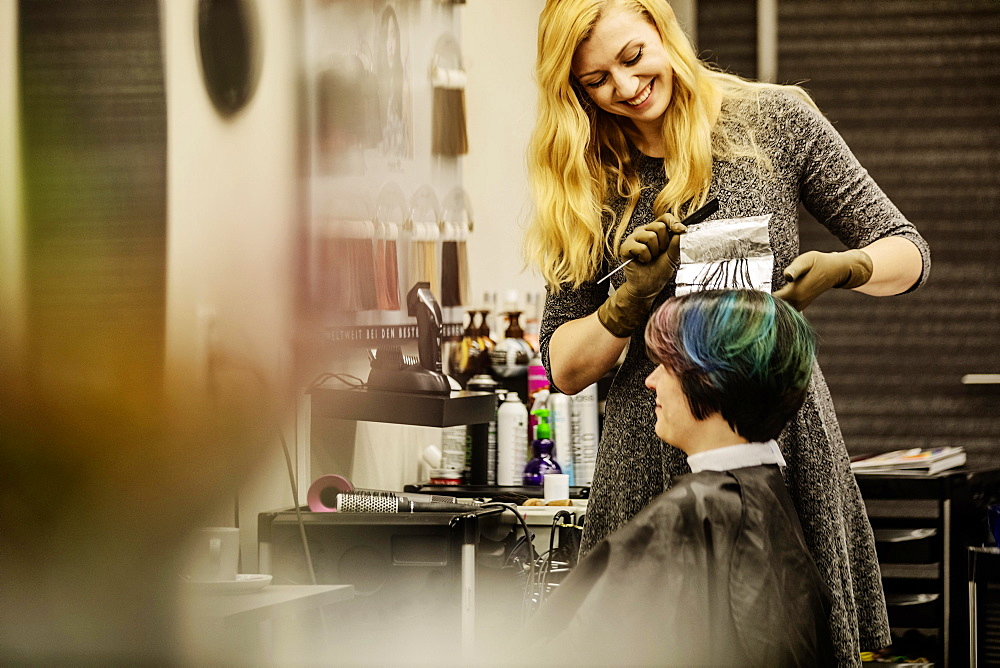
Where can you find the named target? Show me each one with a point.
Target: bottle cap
(482, 382)
(446, 477)
(512, 300)
(541, 399)
(542, 429)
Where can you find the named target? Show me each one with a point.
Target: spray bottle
(512, 439)
(542, 463)
(584, 419)
(561, 419)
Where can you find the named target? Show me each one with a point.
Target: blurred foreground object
(103, 476)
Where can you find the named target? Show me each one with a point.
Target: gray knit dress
(811, 164)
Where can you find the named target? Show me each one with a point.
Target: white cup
(556, 486)
(214, 554)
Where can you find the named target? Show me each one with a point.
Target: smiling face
(625, 69)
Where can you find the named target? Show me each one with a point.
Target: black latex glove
(813, 273)
(655, 251)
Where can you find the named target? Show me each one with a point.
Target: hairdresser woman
(632, 128)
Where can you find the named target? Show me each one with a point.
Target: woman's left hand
(813, 273)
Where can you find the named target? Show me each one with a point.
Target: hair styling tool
(698, 216)
(421, 302)
(322, 494)
(362, 501)
(390, 370)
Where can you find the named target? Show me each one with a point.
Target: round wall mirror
(227, 41)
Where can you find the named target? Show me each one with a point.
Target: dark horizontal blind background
(727, 35)
(914, 88)
(94, 128)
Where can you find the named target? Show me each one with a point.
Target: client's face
(674, 421)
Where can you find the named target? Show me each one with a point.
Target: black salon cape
(713, 571)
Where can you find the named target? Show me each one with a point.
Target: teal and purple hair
(741, 353)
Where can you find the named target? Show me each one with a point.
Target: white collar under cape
(736, 457)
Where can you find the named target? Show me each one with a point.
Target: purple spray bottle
(542, 463)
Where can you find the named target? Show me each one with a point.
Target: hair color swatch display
(425, 235)
(451, 292)
(449, 135)
(391, 215)
(347, 274)
(456, 224)
(386, 273)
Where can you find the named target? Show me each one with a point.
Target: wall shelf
(425, 410)
(383, 333)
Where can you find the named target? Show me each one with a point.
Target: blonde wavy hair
(579, 155)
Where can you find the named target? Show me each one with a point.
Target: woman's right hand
(581, 351)
(654, 249)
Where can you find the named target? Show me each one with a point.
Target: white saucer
(243, 584)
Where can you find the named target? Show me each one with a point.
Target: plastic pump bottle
(542, 463)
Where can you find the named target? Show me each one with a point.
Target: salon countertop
(269, 602)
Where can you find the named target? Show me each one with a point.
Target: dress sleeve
(561, 307)
(840, 193)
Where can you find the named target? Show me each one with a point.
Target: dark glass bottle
(512, 351)
(485, 336)
(467, 355)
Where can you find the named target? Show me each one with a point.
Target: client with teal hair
(716, 569)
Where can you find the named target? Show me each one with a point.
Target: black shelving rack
(425, 410)
(924, 526)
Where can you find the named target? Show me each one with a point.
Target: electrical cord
(563, 551)
(218, 357)
(351, 381)
(215, 358)
(324, 624)
(540, 566)
(298, 511)
(556, 523)
(532, 577)
(216, 361)
(524, 526)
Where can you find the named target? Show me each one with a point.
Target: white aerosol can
(585, 436)
(512, 440)
(560, 416)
